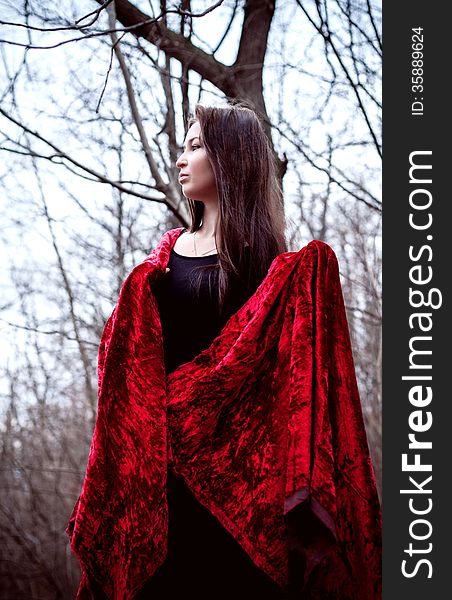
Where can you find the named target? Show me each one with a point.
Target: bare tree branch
(172, 196)
(374, 205)
(324, 30)
(50, 332)
(99, 176)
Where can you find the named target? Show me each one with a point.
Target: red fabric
(265, 426)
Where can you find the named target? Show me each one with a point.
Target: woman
(229, 457)
(228, 176)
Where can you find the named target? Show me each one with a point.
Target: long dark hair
(250, 227)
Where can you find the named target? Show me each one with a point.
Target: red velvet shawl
(265, 426)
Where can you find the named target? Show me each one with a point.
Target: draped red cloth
(265, 426)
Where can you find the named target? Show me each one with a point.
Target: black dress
(204, 561)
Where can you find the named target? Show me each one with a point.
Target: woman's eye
(194, 147)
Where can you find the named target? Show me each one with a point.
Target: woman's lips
(182, 178)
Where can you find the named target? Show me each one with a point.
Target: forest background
(94, 97)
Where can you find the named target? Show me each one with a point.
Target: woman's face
(196, 174)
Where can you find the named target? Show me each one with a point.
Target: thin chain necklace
(202, 253)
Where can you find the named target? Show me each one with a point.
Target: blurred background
(93, 101)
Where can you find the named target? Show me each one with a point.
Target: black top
(190, 317)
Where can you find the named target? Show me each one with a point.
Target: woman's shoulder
(184, 242)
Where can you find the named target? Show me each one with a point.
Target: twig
(54, 332)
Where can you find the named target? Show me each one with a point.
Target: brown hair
(250, 221)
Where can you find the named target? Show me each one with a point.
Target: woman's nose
(181, 161)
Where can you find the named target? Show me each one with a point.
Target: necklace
(202, 253)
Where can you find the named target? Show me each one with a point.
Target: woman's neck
(209, 222)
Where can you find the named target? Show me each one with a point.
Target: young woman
(227, 174)
(229, 458)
